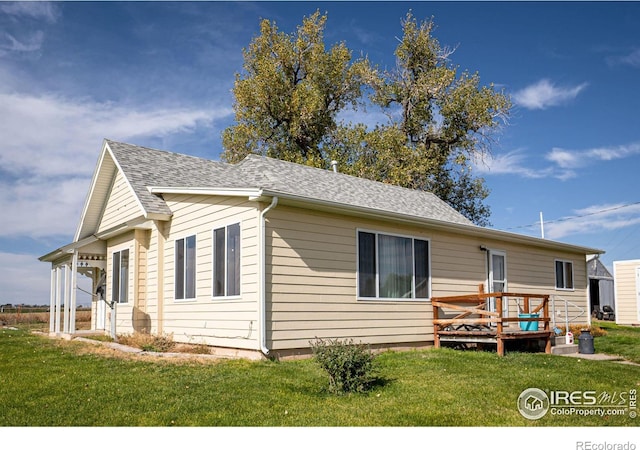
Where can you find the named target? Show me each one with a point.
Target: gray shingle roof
(327, 186)
(145, 167)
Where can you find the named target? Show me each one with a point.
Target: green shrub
(348, 365)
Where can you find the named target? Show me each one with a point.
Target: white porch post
(66, 299)
(58, 295)
(74, 279)
(52, 300)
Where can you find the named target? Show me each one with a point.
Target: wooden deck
(468, 319)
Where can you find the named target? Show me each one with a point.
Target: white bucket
(569, 338)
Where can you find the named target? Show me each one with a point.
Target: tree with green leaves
(439, 121)
(292, 89)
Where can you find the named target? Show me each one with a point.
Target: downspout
(263, 277)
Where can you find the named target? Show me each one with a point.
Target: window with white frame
(226, 261)
(185, 270)
(564, 274)
(392, 267)
(120, 278)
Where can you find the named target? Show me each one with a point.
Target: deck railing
(479, 318)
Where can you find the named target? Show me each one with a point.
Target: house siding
(121, 205)
(154, 267)
(311, 275)
(626, 297)
(224, 322)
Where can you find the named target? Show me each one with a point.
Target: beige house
(264, 256)
(627, 291)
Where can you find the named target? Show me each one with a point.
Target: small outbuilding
(601, 292)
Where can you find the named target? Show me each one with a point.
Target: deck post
(545, 314)
(436, 337)
(500, 342)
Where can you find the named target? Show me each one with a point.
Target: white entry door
(497, 277)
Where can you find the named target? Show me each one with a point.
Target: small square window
(564, 274)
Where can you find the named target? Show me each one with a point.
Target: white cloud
(50, 147)
(632, 59)
(49, 135)
(565, 163)
(511, 163)
(42, 207)
(32, 9)
(28, 44)
(544, 94)
(594, 219)
(24, 279)
(574, 159)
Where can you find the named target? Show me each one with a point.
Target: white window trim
(213, 261)
(413, 264)
(130, 274)
(175, 262)
(555, 276)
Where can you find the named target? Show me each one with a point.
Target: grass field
(38, 318)
(59, 383)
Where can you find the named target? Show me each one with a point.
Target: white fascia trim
(94, 179)
(67, 249)
(140, 222)
(228, 192)
(472, 230)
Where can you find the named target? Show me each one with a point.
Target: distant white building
(627, 291)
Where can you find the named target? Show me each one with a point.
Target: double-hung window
(392, 267)
(186, 268)
(564, 274)
(226, 261)
(120, 279)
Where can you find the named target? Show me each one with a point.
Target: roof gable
(140, 168)
(100, 187)
(596, 269)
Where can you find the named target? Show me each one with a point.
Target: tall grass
(40, 320)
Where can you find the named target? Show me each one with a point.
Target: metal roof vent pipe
(334, 166)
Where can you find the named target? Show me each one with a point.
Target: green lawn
(58, 383)
(619, 340)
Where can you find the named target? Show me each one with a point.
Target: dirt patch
(181, 353)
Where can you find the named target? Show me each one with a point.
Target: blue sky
(160, 74)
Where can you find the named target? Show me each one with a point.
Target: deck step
(564, 349)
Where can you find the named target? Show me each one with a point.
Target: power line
(564, 219)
